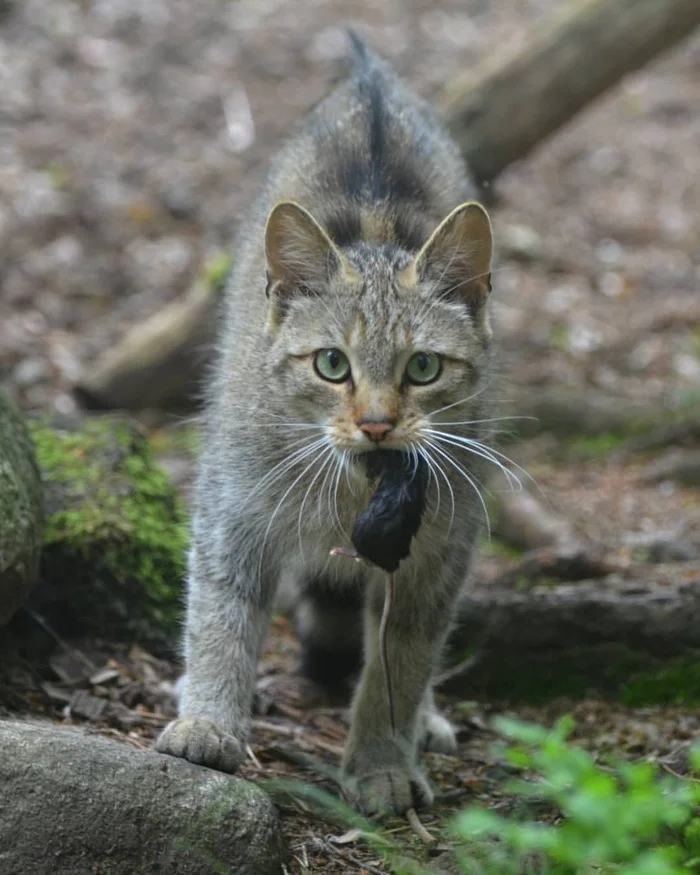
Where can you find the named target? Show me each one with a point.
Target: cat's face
(374, 345)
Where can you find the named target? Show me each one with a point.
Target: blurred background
(134, 133)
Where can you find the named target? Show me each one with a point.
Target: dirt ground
(133, 134)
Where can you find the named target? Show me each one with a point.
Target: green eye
(332, 365)
(423, 368)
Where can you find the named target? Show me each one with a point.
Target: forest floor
(134, 134)
(125, 693)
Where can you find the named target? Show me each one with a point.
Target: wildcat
(356, 318)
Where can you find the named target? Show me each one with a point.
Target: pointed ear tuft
(300, 255)
(457, 257)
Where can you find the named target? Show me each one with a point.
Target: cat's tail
(360, 49)
(365, 62)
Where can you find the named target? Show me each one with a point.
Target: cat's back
(371, 145)
(372, 162)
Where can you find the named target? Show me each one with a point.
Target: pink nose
(375, 429)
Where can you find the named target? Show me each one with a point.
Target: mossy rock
(21, 515)
(113, 561)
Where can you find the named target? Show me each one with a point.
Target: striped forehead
(379, 329)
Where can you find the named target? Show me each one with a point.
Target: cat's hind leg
(435, 732)
(329, 620)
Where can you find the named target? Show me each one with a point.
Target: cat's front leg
(227, 617)
(380, 764)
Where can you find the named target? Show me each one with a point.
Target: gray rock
(75, 804)
(21, 515)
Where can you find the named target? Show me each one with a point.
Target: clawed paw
(200, 741)
(390, 790)
(436, 733)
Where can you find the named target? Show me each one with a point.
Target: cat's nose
(376, 429)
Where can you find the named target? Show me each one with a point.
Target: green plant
(622, 819)
(571, 816)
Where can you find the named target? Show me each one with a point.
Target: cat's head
(372, 342)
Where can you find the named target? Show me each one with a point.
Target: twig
(276, 728)
(346, 855)
(251, 756)
(296, 732)
(325, 745)
(419, 829)
(678, 775)
(288, 711)
(57, 638)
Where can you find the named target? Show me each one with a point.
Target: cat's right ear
(300, 255)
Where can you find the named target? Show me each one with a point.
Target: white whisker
(293, 425)
(346, 469)
(282, 467)
(448, 458)
(288, 461)
(431, 474)
(470, 279)
(477, 449)
(319, 508)
(461, 401)
(480, 421)
(327, 459)
(414, 458)
(281, 502)
(340, 526)
(440, 470)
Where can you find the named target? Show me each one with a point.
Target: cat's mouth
(370, 448)
(369, 462)
(377, 460)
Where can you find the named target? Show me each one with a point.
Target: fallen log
(157, 364)
(502, 111)
(572, 413)
(525, 522)
(634, 635)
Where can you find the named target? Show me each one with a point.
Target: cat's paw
(436, 733)
(201, 742)
(392, 790)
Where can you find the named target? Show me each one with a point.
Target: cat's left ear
(299, 253)
(456, 259)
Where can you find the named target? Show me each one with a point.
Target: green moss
(216, 271)
(116, 535)
(572, 674)
(560, 337)
(691, 839)
(596, 446)
(676, 682)
(499, 549)
(610, 671)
